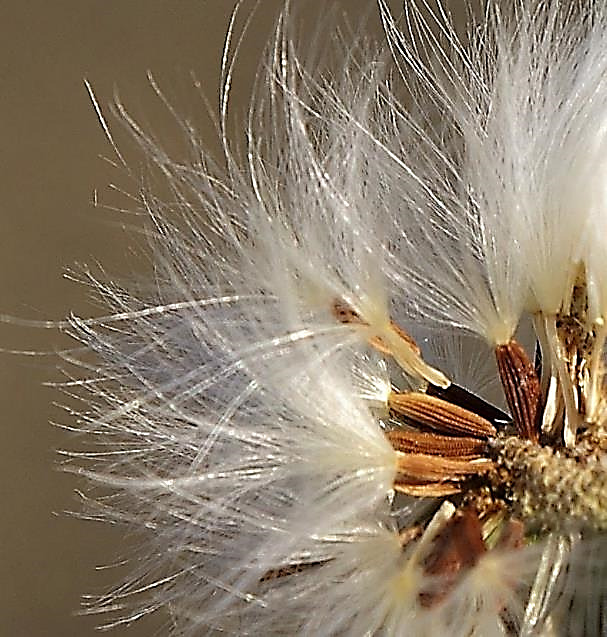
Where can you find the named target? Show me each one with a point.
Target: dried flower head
(367, 395)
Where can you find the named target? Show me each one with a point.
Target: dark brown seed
(434, 444)
(521, 388)
(439, 415)
(421, 467)
(456, 548)
(434, 476)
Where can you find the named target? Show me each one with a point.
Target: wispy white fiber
(382, 227)
(502, 207)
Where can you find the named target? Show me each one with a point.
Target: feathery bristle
(280, 416)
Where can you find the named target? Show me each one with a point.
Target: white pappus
(307, 418)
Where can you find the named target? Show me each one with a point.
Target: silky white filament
(388, 225)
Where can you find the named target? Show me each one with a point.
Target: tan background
(50, 148)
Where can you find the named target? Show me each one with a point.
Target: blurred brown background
(50, 166)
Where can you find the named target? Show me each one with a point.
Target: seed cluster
(516, 473)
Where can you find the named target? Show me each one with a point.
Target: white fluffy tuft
(499, 225)
(236, 420)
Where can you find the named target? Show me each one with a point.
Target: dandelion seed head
(366, 394)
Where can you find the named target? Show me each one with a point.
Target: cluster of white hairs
(366, 395)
